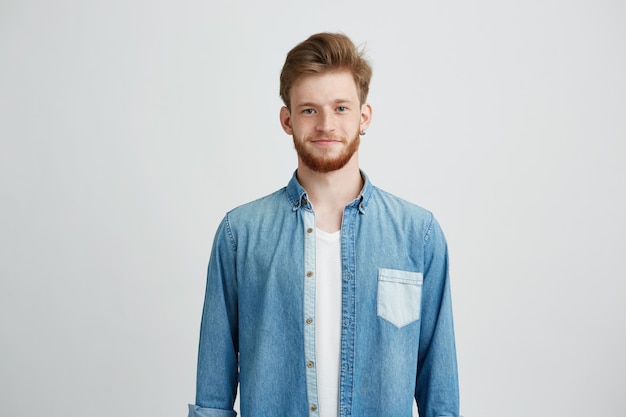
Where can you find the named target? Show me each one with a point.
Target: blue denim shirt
(397, 337)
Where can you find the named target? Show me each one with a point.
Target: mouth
(326, 141)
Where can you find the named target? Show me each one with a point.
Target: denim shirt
(258, 321)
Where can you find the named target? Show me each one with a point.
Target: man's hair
(324, 52)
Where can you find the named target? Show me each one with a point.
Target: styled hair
(325, 52)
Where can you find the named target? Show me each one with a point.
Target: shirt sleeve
(195, 411)
(437, 390)
(217, 374)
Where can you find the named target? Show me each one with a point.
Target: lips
(327, 140)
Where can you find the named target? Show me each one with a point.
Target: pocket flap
(396, 275)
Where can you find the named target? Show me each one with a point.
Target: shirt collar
(298, 197)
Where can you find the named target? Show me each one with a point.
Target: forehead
(326, 86)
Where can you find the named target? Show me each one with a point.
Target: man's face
(325, 120)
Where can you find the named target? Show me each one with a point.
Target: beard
(324, 164)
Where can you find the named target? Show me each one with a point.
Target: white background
(128, 129)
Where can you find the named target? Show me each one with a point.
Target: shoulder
(260, 208)
(412, 217)
(399, 206)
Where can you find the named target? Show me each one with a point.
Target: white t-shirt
(328, 320)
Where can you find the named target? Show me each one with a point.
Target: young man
(328, 297)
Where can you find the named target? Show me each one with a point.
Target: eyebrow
(312, 104)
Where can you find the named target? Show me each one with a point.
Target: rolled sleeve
(196, 411)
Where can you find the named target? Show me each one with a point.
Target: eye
(308, 111)
(342, 109)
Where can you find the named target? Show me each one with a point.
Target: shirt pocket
(399, 296)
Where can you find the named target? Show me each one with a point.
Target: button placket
(308, 219)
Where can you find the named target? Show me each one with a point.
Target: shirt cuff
(196, 411)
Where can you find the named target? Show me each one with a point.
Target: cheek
(301, 125)
(353, 124)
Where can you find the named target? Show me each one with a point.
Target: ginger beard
(324, 164)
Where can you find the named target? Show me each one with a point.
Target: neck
(330, 192)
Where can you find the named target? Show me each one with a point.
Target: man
(328, 297)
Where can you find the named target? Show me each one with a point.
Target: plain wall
(128, 129)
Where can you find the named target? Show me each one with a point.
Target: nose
(326, 122)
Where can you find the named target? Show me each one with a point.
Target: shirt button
(313, 407)
(304, 201)
(309, 274)
(309, 230)
(309, 320)
(309, 364)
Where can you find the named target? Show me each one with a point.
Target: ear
(285, 120)
(366, 116)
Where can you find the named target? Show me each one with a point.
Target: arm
(217, 375)
(437, 390)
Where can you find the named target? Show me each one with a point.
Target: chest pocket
(399, 296)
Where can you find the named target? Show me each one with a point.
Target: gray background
(128, 128)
